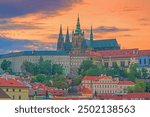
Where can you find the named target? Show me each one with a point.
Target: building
(17, 58)
(14, 89)
(3, 95)
(144, 58)
(80, 44)
(75, 61)
(129, 96)
(105, 84)
(122, 58)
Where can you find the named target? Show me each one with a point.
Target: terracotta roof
(72, 98)
(144, 53)
(126, 83)
(128, 53)
(90, 78)
(10, 83)
(129, 96)
(137, 95)
(86, 91)
(3, 94)
(97, 77)
(39, 86)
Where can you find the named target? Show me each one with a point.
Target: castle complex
(80, 44)
(71, 53)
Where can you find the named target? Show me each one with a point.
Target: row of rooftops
(35, 53)
(97, 78)
(129, 53)
(10, 82)
(129, 96)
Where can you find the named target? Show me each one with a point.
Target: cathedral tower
(77, 37)
(91, 34)
(60, 43)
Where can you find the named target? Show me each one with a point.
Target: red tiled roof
(109, 96)
(128, 96)
(72, 98)
(126, 83)
(86, 91)
(10, 83)
(144, 53)
(97, 77)
(137, 95)
(39, 85)
(128, 53)
(90, 78)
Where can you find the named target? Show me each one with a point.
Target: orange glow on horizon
(122, 14)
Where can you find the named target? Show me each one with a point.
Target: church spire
(60, 29)
(78, 30)
(60, 42)
(91, 34)
(67, 36)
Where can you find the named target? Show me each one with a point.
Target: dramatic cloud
(9, 45)
(14, 8)
(106, 29)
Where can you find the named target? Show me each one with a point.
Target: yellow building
(14, 89)
(3, 95)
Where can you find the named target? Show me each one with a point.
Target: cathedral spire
(60, 42)
(60, 29)
(67, 36)
(78, 30)
(91, 34)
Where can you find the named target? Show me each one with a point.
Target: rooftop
(10, 83)
(129, 96)
(126, 83)
(95, 78)
(116, 53)
(3, 94)
(144, 53)
(34, 53)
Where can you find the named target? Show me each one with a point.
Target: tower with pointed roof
(77, 37)
(60, 43)
(91, 34)
(67, 43)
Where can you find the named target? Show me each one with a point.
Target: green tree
(60, 82)
(77, 80)
(85, 65)
(144, 73)
(147, 87)
(27, 67)
(140, 86)
(134, 72)
(6, 65)
(57, 69)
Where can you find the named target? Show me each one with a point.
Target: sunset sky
(34, 24)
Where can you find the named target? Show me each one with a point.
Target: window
(13, 97)
(106, 64)
(19, 97)
(144, 61)
(114, 64)
(7, 90)
(19, 90)
(122, 63)
(13, 90)
(140, 61)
